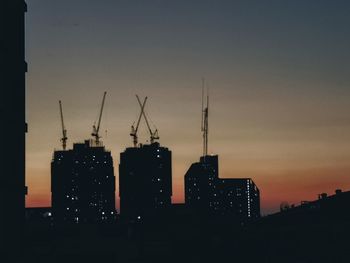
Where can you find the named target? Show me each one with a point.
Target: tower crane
(134, 129)
(95, 130)
(153, 134)
(205, 124)
(64, 131)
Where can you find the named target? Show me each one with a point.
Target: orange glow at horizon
(292, 186)
(278, 77)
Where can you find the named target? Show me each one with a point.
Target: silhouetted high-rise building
(13, 128)
(200, 184)
(145, 181)
(205, 192)
(83, 184)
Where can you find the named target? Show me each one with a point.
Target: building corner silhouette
(12, 161)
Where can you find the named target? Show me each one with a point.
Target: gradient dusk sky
(278, 72)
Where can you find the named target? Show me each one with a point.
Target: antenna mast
(95, 130)
(64, 131)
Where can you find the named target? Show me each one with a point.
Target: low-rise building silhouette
(83, 184)
(145, 186)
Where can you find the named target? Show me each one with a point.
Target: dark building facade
(83, 184)
(12, 108)
(206, 193)
(325, 208)
(145, 185)
(239, 198)
(200, 184)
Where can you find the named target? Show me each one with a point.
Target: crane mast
(64, 131)
(205, 123)
(95, 130)
(134, 130)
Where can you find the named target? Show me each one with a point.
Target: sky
(278, 74)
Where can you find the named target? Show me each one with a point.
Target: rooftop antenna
(95, 130)
(64, 131)
(153, 134)
(205, 124)
(134, 129)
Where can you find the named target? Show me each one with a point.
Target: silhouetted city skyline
(276, 75)
(274, 107)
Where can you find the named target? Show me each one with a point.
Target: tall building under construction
(145, 186)
(83, 184)
(145, 176)
(82, 180)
